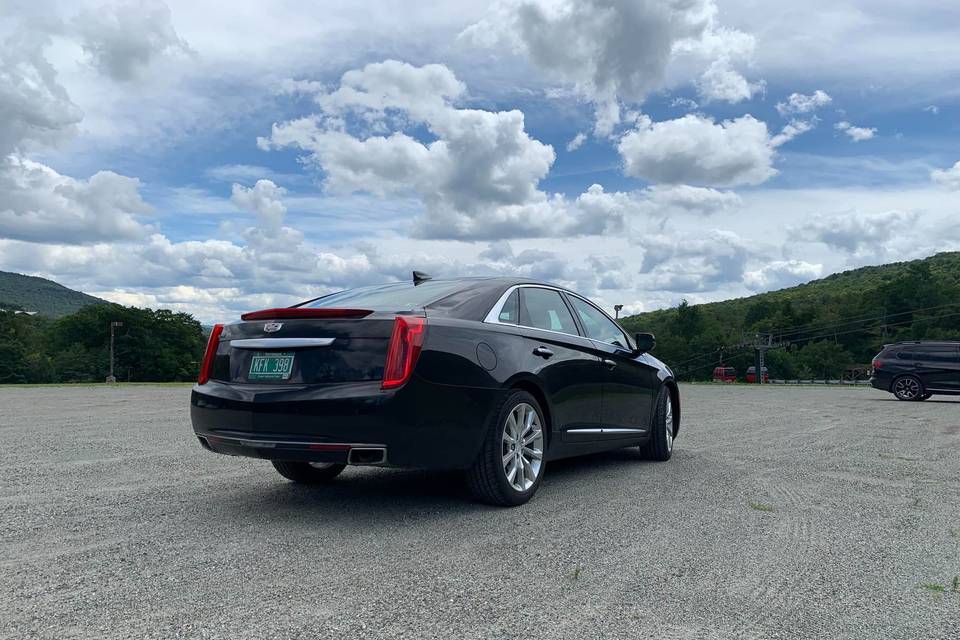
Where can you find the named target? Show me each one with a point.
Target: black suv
(918, 370)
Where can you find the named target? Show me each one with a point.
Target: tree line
(827, 329)
(151, 346)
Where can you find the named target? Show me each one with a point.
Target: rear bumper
(419, 425)
(880, 382)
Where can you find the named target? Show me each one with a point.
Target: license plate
(271, 366)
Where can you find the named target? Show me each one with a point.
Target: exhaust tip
(367, 455)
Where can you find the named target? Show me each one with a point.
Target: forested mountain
(29, 293)
(825, 328)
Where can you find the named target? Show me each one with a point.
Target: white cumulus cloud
(949, 178)
(122, 39)
(615, 51)
(695, 149)
(856, 134)
(800, 103)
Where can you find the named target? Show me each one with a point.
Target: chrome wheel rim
(321, 465)
(522, 447)
(906, 388)
(668, 427)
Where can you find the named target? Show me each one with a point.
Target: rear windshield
(396, 296)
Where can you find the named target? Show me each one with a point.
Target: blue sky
(173, 154)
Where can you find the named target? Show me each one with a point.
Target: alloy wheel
(522, 447)
(907, 388)
(669, 424)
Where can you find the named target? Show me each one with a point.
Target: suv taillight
(206, 368)
(405, 344)
(876, 364)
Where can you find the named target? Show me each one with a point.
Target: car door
(565, 362)
(630, 382)
(937, 366)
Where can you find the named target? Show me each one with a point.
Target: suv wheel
(908, 388)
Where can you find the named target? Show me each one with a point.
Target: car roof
(925, 343)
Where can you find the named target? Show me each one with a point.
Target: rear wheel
(308, 472)
(908, 388)
(510, 466)
(660, 445)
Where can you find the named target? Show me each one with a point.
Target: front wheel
(510, 465)
(308, 472)
(660, 445)
(908, 388)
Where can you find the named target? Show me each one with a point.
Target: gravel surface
(785, 513)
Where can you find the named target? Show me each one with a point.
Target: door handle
(609, 364)
(543, 352)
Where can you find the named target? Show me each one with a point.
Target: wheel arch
(531, 386)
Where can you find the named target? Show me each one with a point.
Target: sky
(215, 160)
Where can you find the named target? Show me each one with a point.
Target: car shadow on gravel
(402, 491)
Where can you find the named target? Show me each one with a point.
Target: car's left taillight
(405, 344)
(206, 368)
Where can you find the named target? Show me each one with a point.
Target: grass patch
(955, 587)
(759, 506)
(576, 573)
(933, 586)
(953, 533)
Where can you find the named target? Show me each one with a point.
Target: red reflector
(404, 349)
(329, 447)
(303, 312)
(206, 368)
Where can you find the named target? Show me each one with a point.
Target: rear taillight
(405, 344)
(305, 312)
(206, 368)
(876, 364)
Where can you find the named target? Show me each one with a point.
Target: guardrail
(837, 382)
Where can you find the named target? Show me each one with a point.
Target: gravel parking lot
(785, 513)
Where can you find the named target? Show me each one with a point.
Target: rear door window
(510, 312)
(545, 309)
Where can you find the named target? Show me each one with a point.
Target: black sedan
(495, 376)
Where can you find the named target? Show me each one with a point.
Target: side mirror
(645, 342)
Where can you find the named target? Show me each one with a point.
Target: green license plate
(271, 366)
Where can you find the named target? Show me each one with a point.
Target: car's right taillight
(405, 344)
(876, 365)
(206, 368)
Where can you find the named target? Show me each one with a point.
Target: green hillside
(827, 327)
(29, 293)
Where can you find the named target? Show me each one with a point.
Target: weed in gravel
(956, 584)
(933, 586)
(575, 574)
(759, 506)
(953, 533)
(893, 456)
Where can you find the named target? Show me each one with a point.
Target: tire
(907, 388)
(306, 472)
(659, 446)
(490, 479)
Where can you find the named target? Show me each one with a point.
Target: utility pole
(616, 310)
(113, 325)
(762, 342)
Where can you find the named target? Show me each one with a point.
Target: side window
(511, 308)
(597, 325)
(545, 309)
